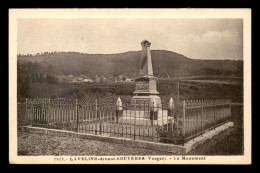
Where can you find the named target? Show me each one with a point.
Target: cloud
(211, 45)
(194, 38)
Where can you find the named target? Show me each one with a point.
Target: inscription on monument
(142, 85)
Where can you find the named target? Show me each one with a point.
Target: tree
(42, 79)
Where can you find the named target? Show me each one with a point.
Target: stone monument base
(139, 118)
(143, 103)
(146, 99)
(146, 91)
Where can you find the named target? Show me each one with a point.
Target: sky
(193, 38)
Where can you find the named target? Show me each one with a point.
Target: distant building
(128, 80)
(88, 80)
(119, 78)
(79, 79)
(62, 78)
(98, 79)
(73, 80)
(111, 79)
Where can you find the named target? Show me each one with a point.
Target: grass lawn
(228, 142)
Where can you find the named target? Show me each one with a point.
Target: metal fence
(169, 122)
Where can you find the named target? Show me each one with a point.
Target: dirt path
(39, 144)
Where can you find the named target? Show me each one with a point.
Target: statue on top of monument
(145, 43)
(145, 63)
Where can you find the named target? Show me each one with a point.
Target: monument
(146, 97)
(146, 83)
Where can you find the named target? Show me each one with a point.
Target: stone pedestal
(146, 90)
(146, 83)
(139, 118)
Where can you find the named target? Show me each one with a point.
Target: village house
(119, 78)
(62, 78)
(111, 79)
(128, 80)
(88, 80)
(79, 79)
(71, 79)
(98, 79)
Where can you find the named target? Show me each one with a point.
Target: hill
(164, 62)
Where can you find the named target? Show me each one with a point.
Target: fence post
(152, 111)
(134, 118)
(118, 109)
(170, 107)
(100, 118)
(184, 120)
(177, 118)
(170, 112)
(49, 111)
(214, 107)
(77, 118)
(223, 111)
(229, 108)
(96, 116)
(26, 112)
(202, 118)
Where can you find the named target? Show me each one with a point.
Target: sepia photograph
(130, 86)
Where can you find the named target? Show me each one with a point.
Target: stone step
(144, 121)
(143, 114)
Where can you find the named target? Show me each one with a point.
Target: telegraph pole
(107, 85)
(178, 91)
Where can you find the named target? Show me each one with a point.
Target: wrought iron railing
(169, 123)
